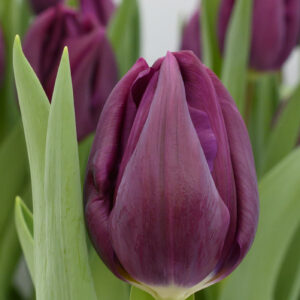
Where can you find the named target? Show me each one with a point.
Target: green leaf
(210, 45)
(24, 225)
(210, 293)
(279, 219)
(64, 270)
(284, 136)
(237, 46)
(107, 285)
(13, 171)
(124, 34)
(137, 294)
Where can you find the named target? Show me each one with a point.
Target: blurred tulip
(171, 201)
(191, 35)
(2, 58)
(40, 5)
(93, 66)
(275, 31)
(101, 9)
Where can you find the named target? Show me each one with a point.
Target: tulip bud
(40, 5)
(101, 9)
(275, 30)
(2, 58)
(171, 201)
(93, 66)
(191, 35)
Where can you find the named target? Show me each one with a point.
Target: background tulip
(40, 5)
(101, 9)
(171, 201)
(275, 31)
(191, 35)
(1, 55)
(93, 66)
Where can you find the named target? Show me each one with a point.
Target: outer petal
(40, 5)
(101, 9)
(201, 95)
(168, 224)
(191, 36)
(245, 179)
(2, 57)
(102, 168)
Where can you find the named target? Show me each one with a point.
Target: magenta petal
(245, 180)
(102, 166)
(40, 5)
(167, 196)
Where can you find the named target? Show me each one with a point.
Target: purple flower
(101, 9)
(2, 57)
(171, 201)
(191, 35)
(40, 5)
(275, 31)
(93, 66)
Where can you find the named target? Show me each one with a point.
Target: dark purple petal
(40, 5)
(2, 56)
(102, 168)
(191, 35)
(167, 195)
(245, 180)
(101, 9)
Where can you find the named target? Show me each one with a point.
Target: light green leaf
(64, 271)
(124, 34)
(210, 45)
(235, 64)
(107, 285)
(137, 294)
(279, 191)
(285, 135)
(13, 172)
(24, 225)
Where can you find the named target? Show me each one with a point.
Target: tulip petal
(101, 170)
(245, 180)
(201, 95)
(169, 223)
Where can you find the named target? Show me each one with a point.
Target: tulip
(93, 66)
(2, 58)
(191, 35)
(101, 9)
(40, 5)
(171, 201)
(275, 30)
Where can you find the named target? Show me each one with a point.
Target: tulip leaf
(211, 49)
(24, 225)
(236, 57)
(107, 285)
(13, 171)
(124, 34)
(64, 269)
(285, 135)
(137, 294)
(279, 221)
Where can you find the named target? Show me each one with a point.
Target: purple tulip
(275, 31)
(191, 35)
(101, 9)
(2, 57)
(40, 5)
(93, 66)
(171, 201)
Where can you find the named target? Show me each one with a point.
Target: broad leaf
(24, 225)
(279, 191)
(237, 45)
(124, 34)
(64, 269)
